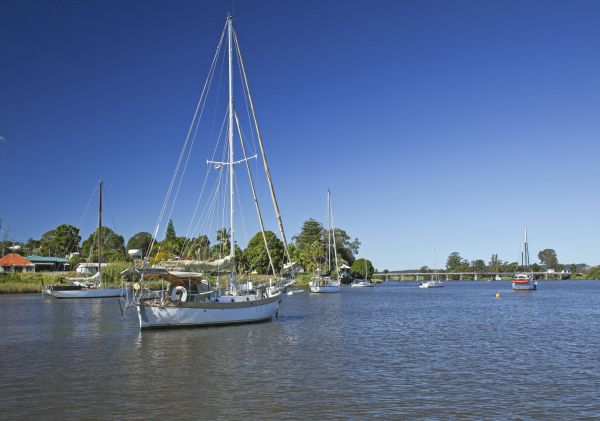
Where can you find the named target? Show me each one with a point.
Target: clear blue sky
(440, 126)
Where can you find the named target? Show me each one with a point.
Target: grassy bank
(19, 283)
(29, 282)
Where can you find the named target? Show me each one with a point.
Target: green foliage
(312, 242)
(140, 241)
(345, 246)
(60, 241)
(360, 266)
(594, 273)
(548, 257)
(170, 231)
(198, 248)
(256, 254)
(454, 262)
(310, 232)
(311, 255)
(113, 246)
(478, 266)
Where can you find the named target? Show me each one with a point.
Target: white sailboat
(89, 287)
(188, 299)
(363, 283)
(433, 283)
(524, 281)
(324, 284)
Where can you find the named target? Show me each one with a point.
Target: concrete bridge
(416, 276)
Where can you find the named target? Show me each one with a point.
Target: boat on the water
(363, 283)
(433, 283)
(324, 284)
(187, 298)
(524, 281)
(86, 287)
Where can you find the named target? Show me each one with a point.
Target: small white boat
(324, 284)
(90, 287)
(85, 292)
(431, 284)
(363, 283)
(295, 291)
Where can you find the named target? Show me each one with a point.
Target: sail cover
(219, 265)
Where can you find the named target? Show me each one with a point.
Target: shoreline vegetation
(31, 282)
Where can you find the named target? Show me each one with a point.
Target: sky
(439, 126)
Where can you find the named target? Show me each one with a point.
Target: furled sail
(220, 265)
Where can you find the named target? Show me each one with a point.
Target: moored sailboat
(524, 281)
(88, 287)
(189, 299)
(363, 283)
(324, 284)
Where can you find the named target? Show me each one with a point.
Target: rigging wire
(189, 230)
(182, 153)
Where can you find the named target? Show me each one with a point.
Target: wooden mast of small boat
(100, 233)
(231, 157)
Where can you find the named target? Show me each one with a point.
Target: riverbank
(32, 282)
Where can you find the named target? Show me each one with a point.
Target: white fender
(175, 294)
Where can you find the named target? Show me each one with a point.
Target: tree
(311, 231)
(113, 245)
(311, 255)
(548, 257)
(358, 268)
(346, 248)
(222, 247)
(198, 248)
(313, 234)
(495, 264)
(140, 241)
(453, 262)
(60, 241)
(170, 231)
(256, 255)
(478, 266)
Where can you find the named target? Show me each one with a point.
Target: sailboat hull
(530, 286)
(362, 284)
(431, 284)
(153, 315)
(85, 293)
(325, 288)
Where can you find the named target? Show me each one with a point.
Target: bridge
(416, 276)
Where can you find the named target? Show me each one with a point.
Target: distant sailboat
(324, 284)
(524, 281)
(90, 287)
(434, 282)
(363, 283)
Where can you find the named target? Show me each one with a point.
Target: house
(345, 272)
(49, 264)
(14, 262)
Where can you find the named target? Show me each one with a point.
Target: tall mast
(100, 230)
(329, 230)
(526, 249)
(231, 172)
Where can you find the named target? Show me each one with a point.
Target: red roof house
(14, 262)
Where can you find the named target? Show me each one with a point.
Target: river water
(393, 351)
